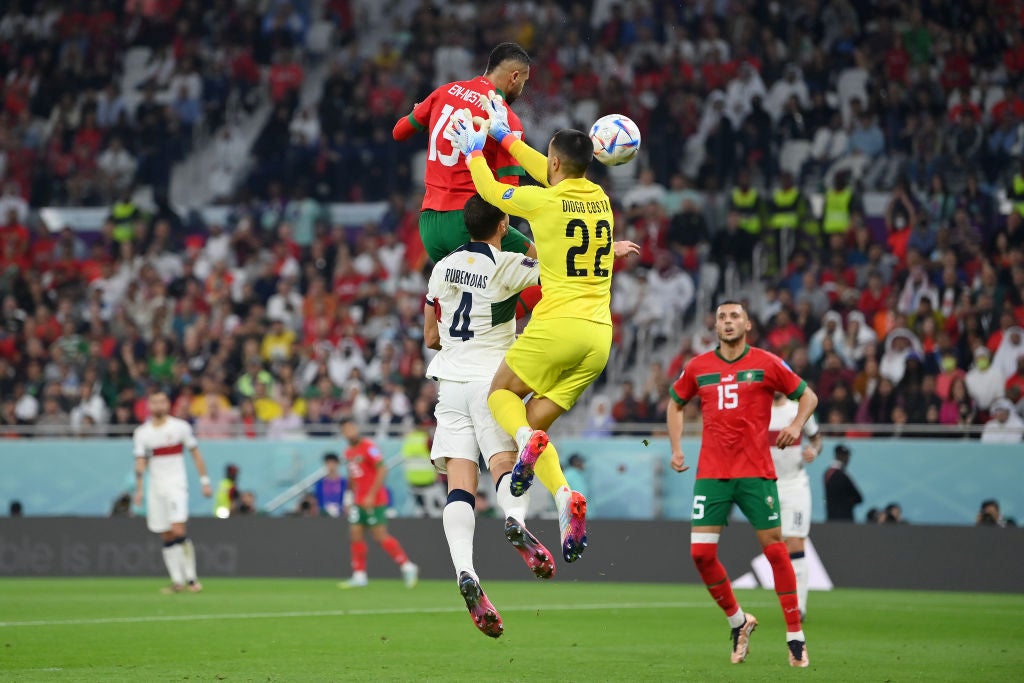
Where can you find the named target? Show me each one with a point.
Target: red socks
(705, 556)
(394, 549)
(359, 556)
(785, 584)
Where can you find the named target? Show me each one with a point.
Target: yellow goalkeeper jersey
(572, 227)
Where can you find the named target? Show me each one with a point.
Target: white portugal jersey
(789, 464)
(164, 446)
(476, 287)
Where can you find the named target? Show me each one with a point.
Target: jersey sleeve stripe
(506, 171)
(416, 124)
(675, 396)
(798, 392)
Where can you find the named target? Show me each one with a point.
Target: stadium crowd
(279, 322)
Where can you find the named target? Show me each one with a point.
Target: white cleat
(410, 574)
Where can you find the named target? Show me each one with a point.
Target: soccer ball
(616, 139)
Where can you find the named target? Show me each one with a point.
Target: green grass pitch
(308, 630)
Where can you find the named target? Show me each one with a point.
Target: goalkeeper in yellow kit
(565, 347)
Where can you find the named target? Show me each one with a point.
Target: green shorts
(367, 516)
(443, 232)
(757, 498)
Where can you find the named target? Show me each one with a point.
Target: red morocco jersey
(448, 181)
(736, 403)
(363, 460)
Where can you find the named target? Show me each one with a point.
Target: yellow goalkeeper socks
(508, 410)
(549, 470)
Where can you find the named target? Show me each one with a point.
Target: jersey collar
(746, 350)
(478, 248)
(496, 89)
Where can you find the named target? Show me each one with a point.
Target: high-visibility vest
(837, 211)
(745, 204)
(419, 471)
(123, 213)
(785, 209)
(1018, 194)
(222, 501)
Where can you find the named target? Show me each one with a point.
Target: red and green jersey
(448, 182)
(736, 403)
(363, 460)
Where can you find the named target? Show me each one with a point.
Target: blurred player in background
(469, 290)
(366, 475)
(736, 385)
(566, 345)
(159, 445)
(448, 183)
(794, 485)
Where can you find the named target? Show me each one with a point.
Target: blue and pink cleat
(572, 521)
(530, 449)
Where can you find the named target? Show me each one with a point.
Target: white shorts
(166, 506)
(465, 427)
(795, 499)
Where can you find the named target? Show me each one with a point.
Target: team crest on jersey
(508, 193)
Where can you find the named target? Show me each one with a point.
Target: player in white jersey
(159, 445)
(794, 486)
(469, 315)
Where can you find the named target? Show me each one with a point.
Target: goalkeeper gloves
(497, 114)
(463, 133)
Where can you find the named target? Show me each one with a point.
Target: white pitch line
(345, 613)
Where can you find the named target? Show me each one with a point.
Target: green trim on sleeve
(798, 392)
(416, 124)
(506, 171)
(675, 396)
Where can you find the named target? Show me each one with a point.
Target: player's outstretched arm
(532, 161)
(468, 135)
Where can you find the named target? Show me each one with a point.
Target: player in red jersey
(736, 385)
(366, 474)
(448, 181)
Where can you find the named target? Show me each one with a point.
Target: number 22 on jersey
(575, 265)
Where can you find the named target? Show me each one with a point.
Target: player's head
(508, 68)
(231, 472)
(159, 404)
(569, 154)
(731, 322)
(483, 220)
(331, 462)
(350, 430)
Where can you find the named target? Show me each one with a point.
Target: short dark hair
(481, 218)
(507, 52)
(331, 457)
(574, 149)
